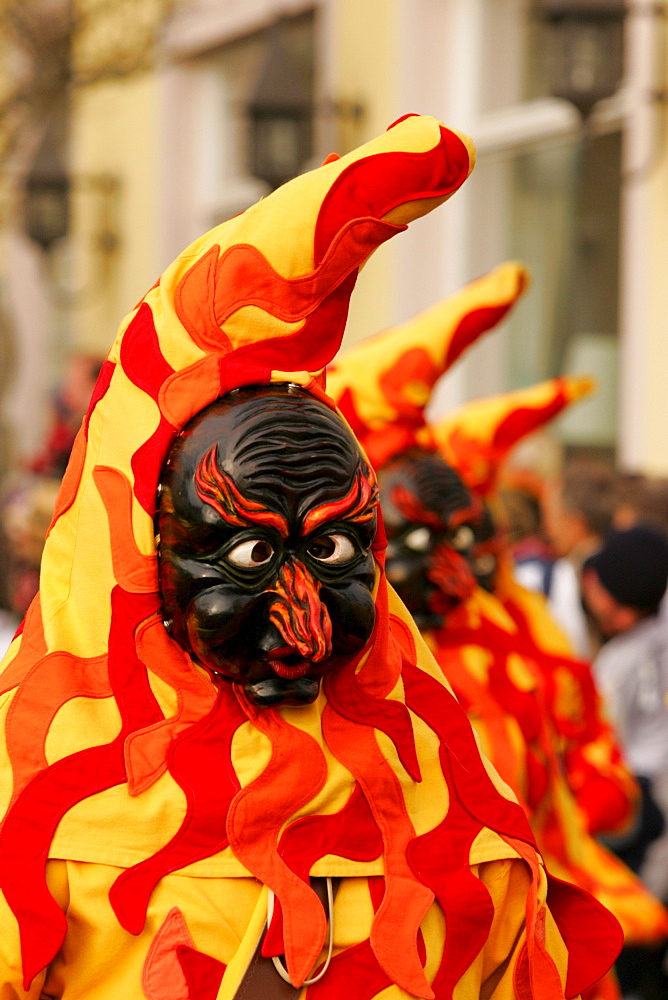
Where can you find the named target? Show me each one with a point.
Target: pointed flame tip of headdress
(579, 386)
(272, 285)
(477, 437)
(383, 384)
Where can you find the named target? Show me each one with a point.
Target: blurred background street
(130, 127)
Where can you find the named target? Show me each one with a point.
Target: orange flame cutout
(162, 975)
(243, 276)
(189, 390)
(216, 488)
(133, 571)
(146, 749)
(298, 614)
(32, 648)
(72, 477)
(52, 681)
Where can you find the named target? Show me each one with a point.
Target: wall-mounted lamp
(46, 194)
(280, 111)
(46, 220)
(585, 49)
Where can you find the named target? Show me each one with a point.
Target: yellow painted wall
(656, 430)
(365, 58)
(115, 132)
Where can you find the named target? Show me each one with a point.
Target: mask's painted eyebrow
(466, 514)
(215, 488)
(358, 505)
(413, 510)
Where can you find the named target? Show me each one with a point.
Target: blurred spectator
(534, 462)
(26, 512)
(29, 497)
(642, 500)
(69, 405)
(526, 538)
(578, 511)
(579, 508)
(623, 586)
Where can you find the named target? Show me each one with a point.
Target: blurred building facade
(237, 94)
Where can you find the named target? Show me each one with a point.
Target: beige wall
(364, 57)
(115, 133)
(656, 417)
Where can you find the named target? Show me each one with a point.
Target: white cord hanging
(278, 964)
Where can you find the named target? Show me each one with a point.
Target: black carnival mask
(485, 550)
(266, 520)
(429, 518)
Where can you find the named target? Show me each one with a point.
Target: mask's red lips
(287, 663)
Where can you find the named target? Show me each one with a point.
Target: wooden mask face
(429, 519)
(267, 515)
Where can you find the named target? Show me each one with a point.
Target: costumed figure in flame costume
(196, 722)
(431, 521)
(476, 440)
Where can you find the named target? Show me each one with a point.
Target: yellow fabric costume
(148, 811)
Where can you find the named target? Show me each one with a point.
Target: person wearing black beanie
(623, 586)
(632, 567)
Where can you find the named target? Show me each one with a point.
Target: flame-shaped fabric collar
(477, 437)
(383, 384)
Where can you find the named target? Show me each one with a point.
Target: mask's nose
(451, 573)
(299, 615)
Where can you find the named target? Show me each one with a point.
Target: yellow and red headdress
(477, 437)
(383, 384)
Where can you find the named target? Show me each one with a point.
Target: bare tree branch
(55, 46)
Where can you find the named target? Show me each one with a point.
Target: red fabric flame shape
(295, 773)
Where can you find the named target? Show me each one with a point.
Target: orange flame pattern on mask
(359, 504)
(217, 489)
(298, 613)
(452, 574)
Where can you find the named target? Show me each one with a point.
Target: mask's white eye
(332, 549)
(484, 565)
(419, 540)
(251, 553)
(462, 538)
